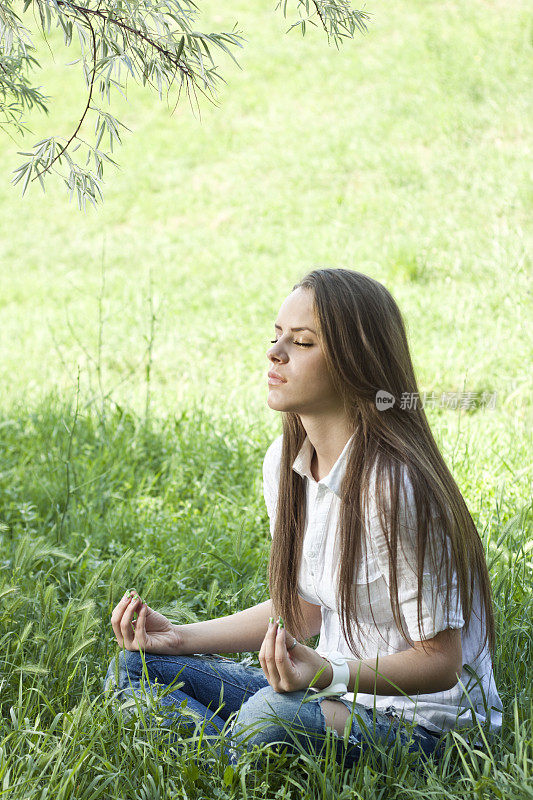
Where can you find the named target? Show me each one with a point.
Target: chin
(273, 405)
(277, 404)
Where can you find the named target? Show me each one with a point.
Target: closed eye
(300, 344)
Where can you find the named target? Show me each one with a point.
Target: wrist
(325, 678)
(181, 644)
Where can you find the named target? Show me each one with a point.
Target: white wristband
(341, 672)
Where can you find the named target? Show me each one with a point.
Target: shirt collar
(333, 480)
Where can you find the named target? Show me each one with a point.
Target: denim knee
(257, 720)
(270, 717)
(127, 671)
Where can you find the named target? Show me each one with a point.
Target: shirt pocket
(372, 593)
(368, 570)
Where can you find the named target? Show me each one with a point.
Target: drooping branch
(173, 58)
(154, 42)
(88, 105)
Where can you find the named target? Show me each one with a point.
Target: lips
(276, 377)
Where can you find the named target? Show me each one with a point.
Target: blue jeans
(216, 695)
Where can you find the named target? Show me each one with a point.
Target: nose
(276, 354)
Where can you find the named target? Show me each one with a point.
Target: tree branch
(155, 42)
(91, 87)
(173, 58)
(322, 20)
(121, 24)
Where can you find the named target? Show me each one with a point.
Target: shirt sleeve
(271, 468)
(435, 615)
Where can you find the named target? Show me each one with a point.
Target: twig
(321, 17)
(101, 335)
(163, 50)
(77, 339)
(91, 87)
(117, 384)
(67, 463)
(149, 349)
(124, 26)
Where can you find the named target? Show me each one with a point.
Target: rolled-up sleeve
(435, 614)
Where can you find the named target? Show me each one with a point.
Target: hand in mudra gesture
(150, 631)
(290, 670)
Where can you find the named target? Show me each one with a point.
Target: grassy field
(403, 155)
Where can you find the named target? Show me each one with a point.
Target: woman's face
(304, 385)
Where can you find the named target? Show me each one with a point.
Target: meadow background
(133, 416)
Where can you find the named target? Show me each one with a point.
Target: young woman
(373, 547)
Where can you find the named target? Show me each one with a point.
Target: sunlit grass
(402, 155)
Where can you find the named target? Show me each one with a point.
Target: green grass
(403, 155)
(175, 508)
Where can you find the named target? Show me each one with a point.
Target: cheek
(324, 387)
(319, 376)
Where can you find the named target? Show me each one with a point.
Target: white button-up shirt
(439, 711)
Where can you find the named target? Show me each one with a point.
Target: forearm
(409, 672)
(236, 633)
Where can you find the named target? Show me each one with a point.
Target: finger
(136, 605)
(292, 643)
(116, 616)
(283, 662)
(261, 655)
(140, 628)
(263, 649)
(270, 656)
(126, 627)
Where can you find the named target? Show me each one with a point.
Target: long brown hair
(362, 334)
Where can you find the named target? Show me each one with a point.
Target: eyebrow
(279, 328)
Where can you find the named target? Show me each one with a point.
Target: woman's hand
(150, 631)
(290, 670)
